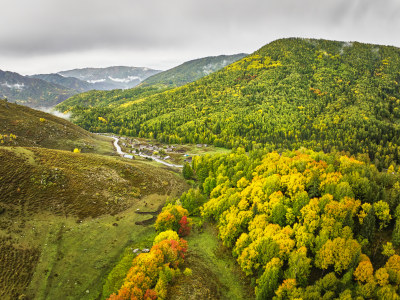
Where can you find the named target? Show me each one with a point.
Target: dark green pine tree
(396, 234)
(187, 171)
(368, 226)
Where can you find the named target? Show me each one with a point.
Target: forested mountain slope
(106, 98)
(292, 92)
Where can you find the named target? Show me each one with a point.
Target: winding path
(120, 152)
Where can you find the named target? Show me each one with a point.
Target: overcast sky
(45, 36)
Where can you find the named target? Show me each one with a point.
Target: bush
(185, 226)
(188, 272)
(166, 235)
(192, 200)
(170, 219)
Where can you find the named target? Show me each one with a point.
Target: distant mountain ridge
(116, 77)
(33, 92)
(47, 90)
(68, 82)
(192, 70)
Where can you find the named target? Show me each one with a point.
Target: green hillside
(292, 92)
(60, 211)
(191, 70)
(23, 126)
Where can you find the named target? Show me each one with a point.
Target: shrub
(170, 219)
(185, 226)
(188, 272)
(166, 235)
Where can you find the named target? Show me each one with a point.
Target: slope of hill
(31, 92)
(292, 92)
(65, 218)
(23, 126)
(60, 211)
(68, 82)
(191, 70)
(118, 77)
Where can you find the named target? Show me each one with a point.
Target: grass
(210, 149)
(76, 257)
(215, 272)
(66, 218)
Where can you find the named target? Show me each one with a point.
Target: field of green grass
(76, 257)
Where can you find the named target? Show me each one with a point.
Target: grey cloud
(46, 28)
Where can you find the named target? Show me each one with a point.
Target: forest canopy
(305, 224)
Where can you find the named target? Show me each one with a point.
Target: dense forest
(303, 224)
(320, 94)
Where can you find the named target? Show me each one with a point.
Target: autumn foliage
(184, 226)
(295, 215)
(150, 272)
(174, 217)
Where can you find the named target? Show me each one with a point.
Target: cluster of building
(154, 151)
